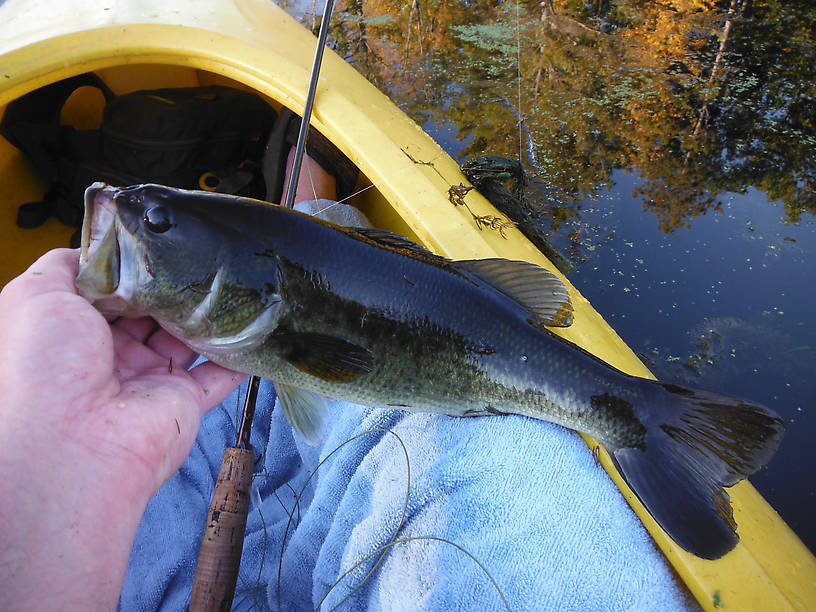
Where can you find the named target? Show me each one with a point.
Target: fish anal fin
(329, 358)
(697, 443)
(538, 290)
(306, 412)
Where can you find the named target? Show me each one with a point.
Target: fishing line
(295, 498)
(317, 467)
(532, 158)
(254, 589)
(311, 180)
(405, 541)
(255, 494)
(518, 70)
(348, 197)
(396, 173)
(257, 590)
(256, 498)
(290, 515)
(391, 541)
(242, 390)
(383, 549)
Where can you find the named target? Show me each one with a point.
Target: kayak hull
(255, 45)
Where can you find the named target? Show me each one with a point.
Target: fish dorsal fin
(538, 290)
(389, 239)
(306, 412)
(328, 358)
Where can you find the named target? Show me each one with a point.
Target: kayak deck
(255, 45)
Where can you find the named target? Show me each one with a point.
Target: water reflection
(638, 119)
(700, 98)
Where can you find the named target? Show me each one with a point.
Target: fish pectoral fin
(329, 358)
(306, 412)
(538, 290)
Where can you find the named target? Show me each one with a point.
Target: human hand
(94, 418)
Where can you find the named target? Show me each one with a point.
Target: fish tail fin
(695, 444)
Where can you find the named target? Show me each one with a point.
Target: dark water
(673, 150)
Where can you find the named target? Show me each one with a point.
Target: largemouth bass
(369, 317)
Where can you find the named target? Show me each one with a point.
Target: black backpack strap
(34, 214)
(32, 124)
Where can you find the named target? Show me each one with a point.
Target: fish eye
(158, 219)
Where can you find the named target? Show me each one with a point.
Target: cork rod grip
(223, 539)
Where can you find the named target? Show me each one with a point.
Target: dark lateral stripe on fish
(372, 318)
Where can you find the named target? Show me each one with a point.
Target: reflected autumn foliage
(699, 98)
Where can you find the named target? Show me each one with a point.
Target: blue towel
(499, 512)
(543, 527)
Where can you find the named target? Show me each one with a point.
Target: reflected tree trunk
(547, 13)
(712, 78)
(415, 11)
(355, 7)
(563, 23)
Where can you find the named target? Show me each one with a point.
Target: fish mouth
(106, 249)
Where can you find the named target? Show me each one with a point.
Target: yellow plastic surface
(145, 43)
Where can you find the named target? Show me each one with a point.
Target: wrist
(68, 533)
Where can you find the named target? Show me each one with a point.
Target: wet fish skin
(368, 317)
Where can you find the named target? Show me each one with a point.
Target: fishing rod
(300, 148)
(219, 557)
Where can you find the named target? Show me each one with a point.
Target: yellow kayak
(254, 44)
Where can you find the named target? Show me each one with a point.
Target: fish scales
(369, 317)
(441, 341)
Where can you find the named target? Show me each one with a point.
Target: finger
(172, 348)
(160, 352)
(54, 271)
(133, 357)
(146, 331)
(216, 382)
(139, 329)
